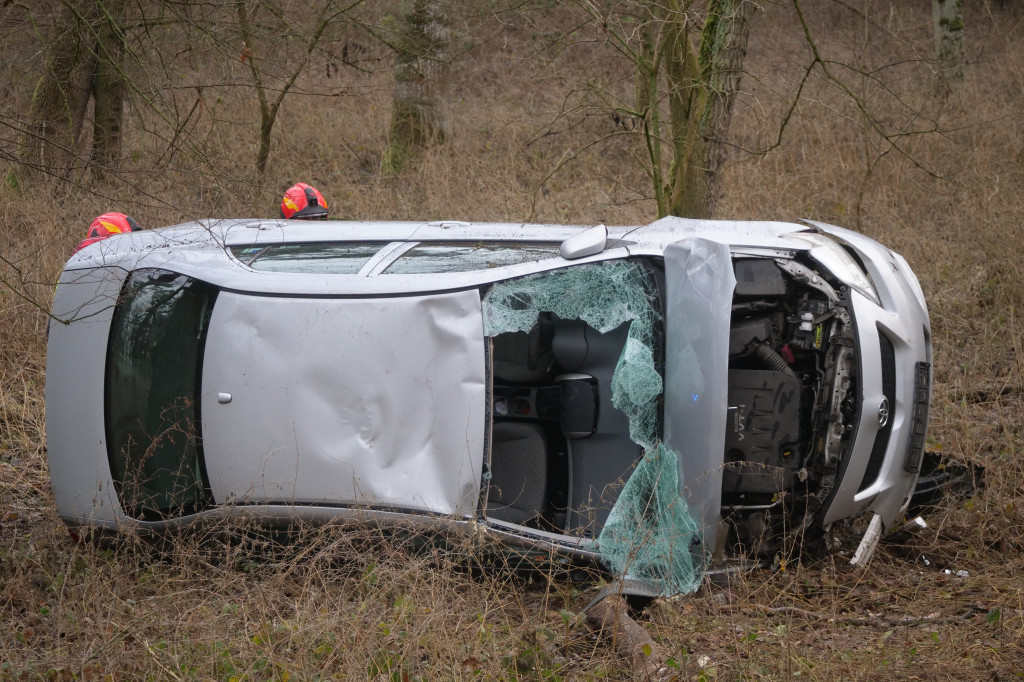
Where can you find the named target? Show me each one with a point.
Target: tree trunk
(269, 108)
(948, 21)
(51, 143)
(725, 39)
(702, 86)
(248, 56)
(687, 100)
(648, 106)
(108, 87)
(419, 114)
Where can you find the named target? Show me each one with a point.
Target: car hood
(699, 282)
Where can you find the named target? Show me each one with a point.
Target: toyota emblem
(883, 413)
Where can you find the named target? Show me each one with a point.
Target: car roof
(203, 249)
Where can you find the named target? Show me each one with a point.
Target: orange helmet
(105, 226)
(111, 223)
(304, 202)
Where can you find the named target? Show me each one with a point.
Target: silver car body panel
(902, 317)
(189, 248)
(347, 401)
(83, 306)
(413, 346)
(699, 282)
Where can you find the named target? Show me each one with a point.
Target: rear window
(320, 258)
(154, 363)
(463, 256)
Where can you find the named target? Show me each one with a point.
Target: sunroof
(320, 258)
(466, 256)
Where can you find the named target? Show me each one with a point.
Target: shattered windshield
(649, 531)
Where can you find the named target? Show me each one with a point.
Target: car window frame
(384, 248)
(454, 243)
(392, 252)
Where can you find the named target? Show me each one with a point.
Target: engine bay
(791, 400)
(562, 448)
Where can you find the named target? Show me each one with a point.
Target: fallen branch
(879, 619)
(609, 618)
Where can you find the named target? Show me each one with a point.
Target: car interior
(560, 450)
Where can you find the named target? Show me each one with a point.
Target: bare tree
(83, 60)
(711, 84)
(688, 59)
(419, 114)
(283, 80)
(108, 87)
(948, 23)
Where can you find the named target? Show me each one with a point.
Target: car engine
(791, 401)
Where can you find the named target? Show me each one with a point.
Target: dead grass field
(354, 604)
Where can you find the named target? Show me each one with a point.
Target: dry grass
(363, 604)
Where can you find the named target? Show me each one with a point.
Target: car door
(377, 402)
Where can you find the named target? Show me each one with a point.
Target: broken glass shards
(605, 296)
(649, 531)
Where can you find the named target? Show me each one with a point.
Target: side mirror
(586, 243)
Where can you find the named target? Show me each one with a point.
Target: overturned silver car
(649, 397)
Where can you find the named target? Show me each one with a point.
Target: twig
(934, 617)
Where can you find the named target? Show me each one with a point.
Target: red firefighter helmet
(107, 225)
(304, 202)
